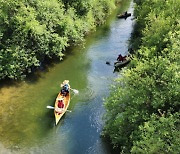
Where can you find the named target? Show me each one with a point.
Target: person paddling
(60, 106)
(121, 58)
(65, 88)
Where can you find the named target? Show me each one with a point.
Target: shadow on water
(31, 78)
(8, 83)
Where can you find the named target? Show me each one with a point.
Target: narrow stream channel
(26, 126)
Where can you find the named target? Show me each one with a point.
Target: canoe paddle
(51, 107)
(75, 91)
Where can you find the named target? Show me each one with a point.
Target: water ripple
(86, 94)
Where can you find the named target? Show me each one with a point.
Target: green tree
(151, 82)
(31, 31)
(159, 135)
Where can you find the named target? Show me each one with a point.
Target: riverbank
(143, 108)
(32, 32)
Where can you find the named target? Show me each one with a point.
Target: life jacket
(60, 104)
(120, 58)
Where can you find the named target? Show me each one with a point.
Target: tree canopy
(31, 30)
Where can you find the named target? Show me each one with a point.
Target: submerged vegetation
(143, 107)
(32, 30)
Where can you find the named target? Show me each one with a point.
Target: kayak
(121, 64)
(66, 100)
(124, 15)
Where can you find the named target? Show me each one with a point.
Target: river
(27, 126)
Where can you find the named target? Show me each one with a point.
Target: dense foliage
(31, 30)
(143, 108)
(159, 135)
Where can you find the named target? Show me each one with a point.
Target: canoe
(121, 64)
(124, 15)
(66, 103)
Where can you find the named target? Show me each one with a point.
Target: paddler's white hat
(66, 82)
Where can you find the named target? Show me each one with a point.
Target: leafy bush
(150, 85)
(32, 30)
(159, 135)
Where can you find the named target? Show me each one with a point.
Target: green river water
(27, 126)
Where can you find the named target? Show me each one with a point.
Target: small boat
(121, 63)
(66, 100)
(124, 15)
